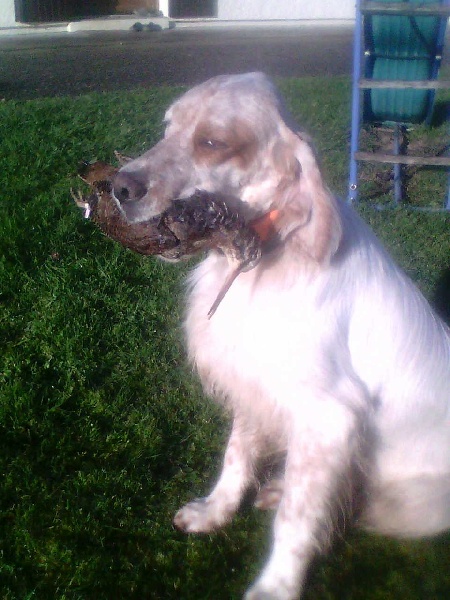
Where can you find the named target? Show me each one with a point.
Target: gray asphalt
(72, 64)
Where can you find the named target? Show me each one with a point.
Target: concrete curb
(119, 23)
(254, 24)
(115, 23)
(127, 22)
(33, 29)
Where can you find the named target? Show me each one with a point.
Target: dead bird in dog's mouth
(203, 221)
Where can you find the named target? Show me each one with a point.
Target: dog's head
(232, 135)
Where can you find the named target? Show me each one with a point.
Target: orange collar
(264, 226)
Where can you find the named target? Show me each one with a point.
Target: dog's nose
(128, 187)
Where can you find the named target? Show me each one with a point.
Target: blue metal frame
(356, 109)
(356, 104)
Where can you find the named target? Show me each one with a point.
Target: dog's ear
(309, 217)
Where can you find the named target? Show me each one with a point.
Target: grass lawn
(104, 432)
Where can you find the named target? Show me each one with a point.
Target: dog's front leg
(206, 514)
(319, 461)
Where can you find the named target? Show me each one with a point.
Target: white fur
(325, 352)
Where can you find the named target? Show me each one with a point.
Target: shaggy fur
(325, 353)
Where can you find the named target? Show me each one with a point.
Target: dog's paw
(269, 496)
(259, 596)
(268, 592)
(274, 584)
(199, 516)
(255, 593)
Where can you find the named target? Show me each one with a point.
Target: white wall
(7, 13)
(286, 9)
(164, 7)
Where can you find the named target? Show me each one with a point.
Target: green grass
(104, 432)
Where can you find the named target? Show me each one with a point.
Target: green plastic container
(401, 48)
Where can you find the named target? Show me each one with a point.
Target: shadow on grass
(441, 113)
(364, 565)
(441, 297)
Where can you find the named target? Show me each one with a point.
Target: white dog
(324, 353)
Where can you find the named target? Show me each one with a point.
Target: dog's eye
(211, 144)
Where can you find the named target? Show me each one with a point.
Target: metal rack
(398, 48)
